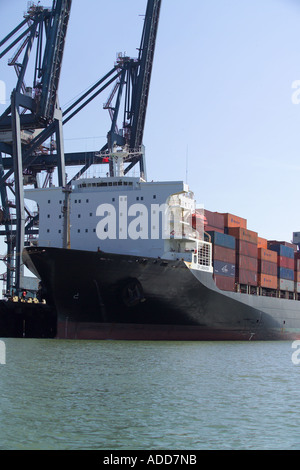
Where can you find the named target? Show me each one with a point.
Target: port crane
(130, 78)
(23, 133)
(32, 117)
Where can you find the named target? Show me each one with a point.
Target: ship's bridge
(114, 183)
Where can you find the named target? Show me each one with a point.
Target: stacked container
(297, 271)
(262, 243)
(246, 255)
(214, 222)
(223, 260)
(276, 242)
(267, 268)
(285, 265)
(241, 257)
(234, 221)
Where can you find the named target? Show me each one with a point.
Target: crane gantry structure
(31, 128)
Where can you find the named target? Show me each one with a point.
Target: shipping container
(225, 283)
(297, 276)
(223, 254)
(224, 269)
(231, 220)
(246, 262)
(222, 239)
(297, 261)
(266, 267)
(288, 244)
(285, 284)
(267, 255)
(265, 280)
(297, 287)
(285, 262)
(243, 276)
(214, 219)
(284, 273)
(209, 228)
(246, 248)
(243, 234)
(198, 220)
(262, 243)
(282, 250)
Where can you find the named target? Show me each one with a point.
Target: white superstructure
(124, 215)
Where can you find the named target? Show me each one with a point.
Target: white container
(285, 284)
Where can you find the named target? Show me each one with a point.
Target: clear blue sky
(220, 107)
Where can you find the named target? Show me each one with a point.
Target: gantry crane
(31, 118)
(43, 117)
(131, 80)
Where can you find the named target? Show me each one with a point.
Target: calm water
(149, 395)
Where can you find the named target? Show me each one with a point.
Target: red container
(267, 255)
(284, 262)
(243, 234)
(246, 248)
(262, 242)
(266, 267)
(214, 219)
(198, 220)
(209, 228)
(265, 280)
(223, 254)
(243, 276)
(297, 276)
(246, 262)
(224, 282)
(231, 220)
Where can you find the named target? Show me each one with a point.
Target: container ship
(122, 258)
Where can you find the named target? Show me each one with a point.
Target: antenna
(186, 163)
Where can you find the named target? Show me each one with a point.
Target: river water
(67, 395)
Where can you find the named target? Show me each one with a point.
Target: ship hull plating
(107, 296)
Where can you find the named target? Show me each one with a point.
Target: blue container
(282, 250)
(224, 269)
(284, 273)
(222, 239)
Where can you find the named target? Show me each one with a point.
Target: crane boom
(53, 56)
(141, 93)
(136, 78)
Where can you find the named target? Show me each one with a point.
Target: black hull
(106, 296)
